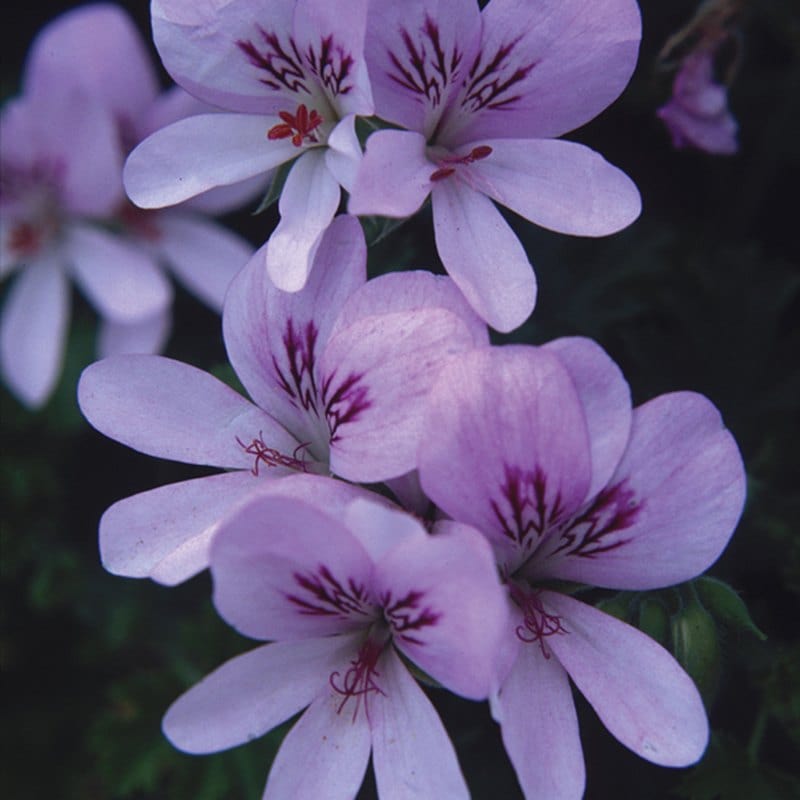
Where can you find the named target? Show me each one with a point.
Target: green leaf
(695, 643)
(654, 620)
(724, 604)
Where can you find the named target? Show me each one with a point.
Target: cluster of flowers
(402, 500)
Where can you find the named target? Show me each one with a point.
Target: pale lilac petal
(168, 409)
(343, 154)
(170, 526)
(408, 491)
(285, 569)
(198, 153)
(252, 693)
(393, 178)
(419, 52)
(448, 612)
(483, 255)
(504, 445)
(33, 330)
(376, 375)
(99, 48)
(637, 688)
(606, 399)
(563, 186)
(380, 526)
(307, 205)
(679, 490)
(325, 754)
(539, 726)
(204, 255)
(146, 336)
(263, 326)
(120, 279)
(224, 199)
(412, 754)
(576, 57)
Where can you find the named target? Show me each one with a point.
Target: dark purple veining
(323, 595)
(343, 402)
(281, 63)
(486, 86)
(299, 381)
(405, 615)
(332, 65)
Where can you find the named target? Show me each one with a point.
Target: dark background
(702, 293)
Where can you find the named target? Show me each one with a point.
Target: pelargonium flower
(539, 449)
(87, 46)
(697, 114)
(346, 600)
(293, 76)
(483, 94)
(339, 373)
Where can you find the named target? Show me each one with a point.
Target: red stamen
(537, 623)
(446, 170)
(272, 457)
(359, 680)
(24, 239)
(300, 126)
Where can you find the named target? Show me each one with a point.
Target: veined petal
(168, 409)
(676, 495)
(143, 336)
(204, 255)
(375, 378)
(447, 610)
(33, 330)
(483, 255)
(563, 186)
(636, 687)
(325, 754)
(252, 693)
(120, 279)
(307, 205)
(412, 754)
(198, 153)
(308, 577)
(393, 178)
(539, 725)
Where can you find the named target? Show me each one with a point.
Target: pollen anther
(300, 126)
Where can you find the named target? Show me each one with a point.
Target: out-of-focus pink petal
(170, 526)
(636, 687)
(307, 205)
(412, 754)
(573, 58)
(252, 693)
(325, 754)
(563, 186)
(168, 409)
(33, 330)
(483, 255)
(606, 400)
(204, 255)
(146, 336)
(120, 279)
(285, 569)
(198, 153)
(443, 600)
(419, 52)
(394, 176)
(98, 48)
(539, 726)
(684, 483)
(376, 375)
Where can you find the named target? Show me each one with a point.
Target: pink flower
(339, 373)
(343, 597)
(697, 114)
(540, 450)
(483, 96)
(292, 75)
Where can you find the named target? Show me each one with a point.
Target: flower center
(300, 126)
(537, 624)
(447, 166)
(360, 679)
(270, 457)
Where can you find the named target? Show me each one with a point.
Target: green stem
(759, 727)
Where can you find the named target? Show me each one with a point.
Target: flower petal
(252, 693)
(198, 153)
(412, 754)
(483, 255)
(33, 330)
(325, 754)
(147, 336)
(168, 409)
(636, 687)
(563, 186)
(380, 526)
(679, 491)
(204, 255)
(343, 154)
(120, 279)
(539, 725)
(308, 577)
(307, 205)
(393, 178)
